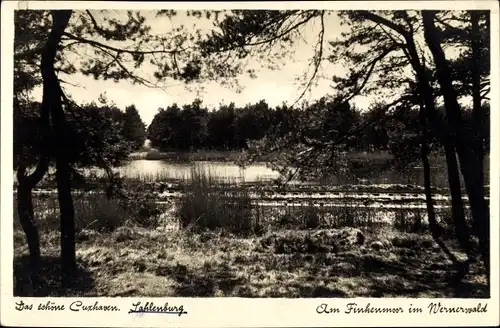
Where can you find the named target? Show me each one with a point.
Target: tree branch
(381, 20)
(317, 61)
(116, 59)
(120, 50)
(94, 22)
(277, 36)
(370, 71)
(270, 40)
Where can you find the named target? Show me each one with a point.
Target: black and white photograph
(251, 153)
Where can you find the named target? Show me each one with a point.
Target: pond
(151, 169)
(159, 170)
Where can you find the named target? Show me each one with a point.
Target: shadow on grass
(414, 278)
(324, 275)
(50, 278)
(466, 289)
(202, 282)
(220, 281)
(378, 275)
(416, 286)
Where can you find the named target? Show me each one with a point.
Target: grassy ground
(350, 256)
(133, 261)
(214, 243)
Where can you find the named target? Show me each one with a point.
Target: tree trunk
(431, 215)
(51, 88)
(461, 228)
(478, 114)
(68, 251)
(469, 161)
(27, 219)
(430, 118)
(424, 152)
(25, 210)
(456, 195)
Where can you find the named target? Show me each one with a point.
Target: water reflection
(165, 170)
(160, 170)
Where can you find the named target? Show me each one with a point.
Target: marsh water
(159, 170)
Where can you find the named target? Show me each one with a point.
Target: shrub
(286, 219)
(409, 221)
(311, 217)
(99, 213)
(445, 217)
(142, 210)
(345, 216)
(211, 204)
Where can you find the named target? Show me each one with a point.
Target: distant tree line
(97, 134)
(100, 132)
(194, 127)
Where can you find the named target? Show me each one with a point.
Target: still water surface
(160, 170)
(163, 169)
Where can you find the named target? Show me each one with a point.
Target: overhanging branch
(370, 71)
(120, 50)
(318, 59)
(384, 21)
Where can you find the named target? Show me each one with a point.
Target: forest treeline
(114, 133)
(95, 132)
(194, 126)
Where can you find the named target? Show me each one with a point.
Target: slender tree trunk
(428, 94)
(424, 152)
(478, 114)
(52, 89)
(455, 190)
(461, 228)
(430, 118)
(27, 219)
(431, 215)
(68, 251)
(469, 161)
(25, 210)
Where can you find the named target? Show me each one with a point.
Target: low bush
(100, 214)
(143, 211)
(95, 211)
(311, 217)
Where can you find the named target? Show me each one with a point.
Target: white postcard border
(230, 312)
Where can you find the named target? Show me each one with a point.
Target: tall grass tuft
(100, 214)
(346, 216)
(93, 212)
(311, 217)
(210, 204)
(409, 221)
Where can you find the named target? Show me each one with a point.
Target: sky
(276, 87)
